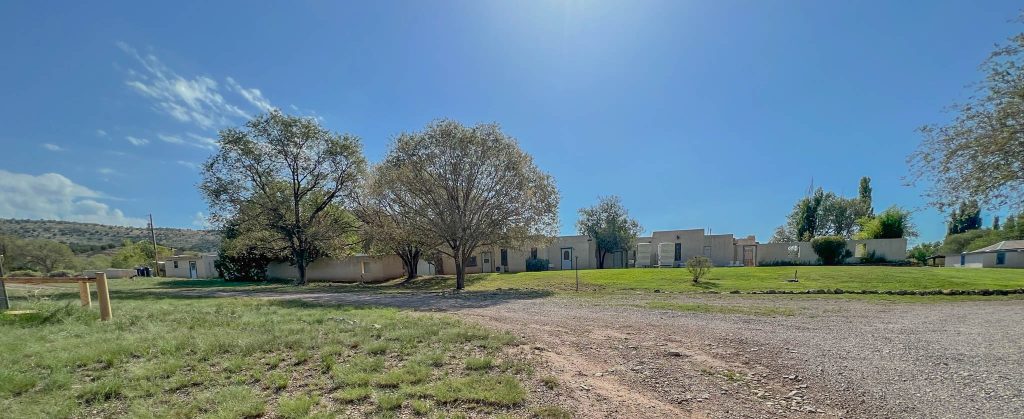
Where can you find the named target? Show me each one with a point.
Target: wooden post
(4, 302)
(83, 294)
(103, 294)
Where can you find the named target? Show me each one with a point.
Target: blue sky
(698, 114)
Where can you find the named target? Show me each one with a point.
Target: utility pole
(4, 302)
(152, 236)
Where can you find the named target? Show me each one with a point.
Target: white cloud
(173, 139)
(53, 147)
(196, 100)
(106, 171)
(254, 96)
(201, 221)
(203, 142)
(54, 197)
(188, 164)
(101, 133)
(137, 141)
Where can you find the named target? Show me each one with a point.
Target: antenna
(810, 189)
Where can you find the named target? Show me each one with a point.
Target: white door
(487, 265)
(567, 258)
(193, 272)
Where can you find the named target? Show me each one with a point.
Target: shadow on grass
(424, 301)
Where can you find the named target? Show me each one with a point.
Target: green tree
(467, 187)
(831, 249)
(893, 223)
(385, 228)
(979, 154)
(45, 255)
(966, 217)
(864, 196)
(922, 251)
(290, 184)
(609, 225)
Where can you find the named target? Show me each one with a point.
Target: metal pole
(577, 266)
(152, 236)
(4, 302)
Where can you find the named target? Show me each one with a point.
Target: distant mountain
(84, 237)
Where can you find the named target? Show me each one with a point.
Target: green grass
(879, 278)
(749, 310)
(164, 355)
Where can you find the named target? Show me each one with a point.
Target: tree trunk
(411, 259)
(300, 263)
(600, 258)
(460, 272)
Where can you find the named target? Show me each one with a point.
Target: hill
(86, 237)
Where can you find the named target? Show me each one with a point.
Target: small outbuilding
(1005, 254)
(195, 266)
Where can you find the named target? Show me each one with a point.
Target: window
(861, 250)
(1001, 258)
(533, 253)
(679, 252)
(504, 257)
(565, 255)
(471, 262)
(175, 264)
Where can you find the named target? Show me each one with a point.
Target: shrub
(699, 266)
(893, 223)
(248, 265)
(872, 257)
(25, 273)
(536, 265)
(830, 249)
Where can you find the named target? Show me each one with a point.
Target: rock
(674, 353)
(792, 280)
(539, 348)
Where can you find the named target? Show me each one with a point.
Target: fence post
(103, 294)
(83, 294)
(4, 302)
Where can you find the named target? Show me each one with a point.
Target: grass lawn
(168, 356)
(747, 279)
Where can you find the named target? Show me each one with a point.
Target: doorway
(566, 258)
(193, 271)
(487, 265)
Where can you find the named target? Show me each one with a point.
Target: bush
(872, 257)
(830, 249)
(536, 265)
(698, 267)
(248, 266)
(893, 223)
(25, 273)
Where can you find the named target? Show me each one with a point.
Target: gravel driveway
(832, 357)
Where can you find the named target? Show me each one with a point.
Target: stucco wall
(350, 269)
(890, 249)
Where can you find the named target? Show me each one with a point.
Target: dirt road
(616, 357)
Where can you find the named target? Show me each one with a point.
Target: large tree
(387, 231)
(979, 155)
(825, 213)
(45, 255)
(609, 225)
(290, 185)
(964, 218)
(467, 187)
